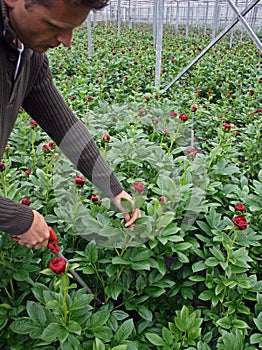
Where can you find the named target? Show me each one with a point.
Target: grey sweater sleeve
(15, 218)
(45, 104)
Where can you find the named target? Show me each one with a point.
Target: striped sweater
(35, 91)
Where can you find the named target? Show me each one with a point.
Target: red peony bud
(52, 144)
(227, 126)
(58, 265)
(183, 117)
(95, 198)
(173, 114)
(80, 181)
(33, 123)
(138, 187)
(2, 166)
(192, 151)
(163, 199)
(25, 201)
(240, 207)
(46, 148)
(27, 172)
(241, 222)
(106, 137)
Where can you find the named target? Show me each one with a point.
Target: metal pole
(215, 20)
(155, 7)
(118, 17)
(159, 37)
(89, 34)
(187, 18)
(231, 36)
(246, 25)
(129, 15)
(206, 19)
(177, 16)
(211, 44)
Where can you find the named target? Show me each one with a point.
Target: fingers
(130, 220)
(37, 236)
(32, 244)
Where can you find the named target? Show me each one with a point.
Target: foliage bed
(187, 277)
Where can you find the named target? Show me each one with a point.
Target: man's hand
(38, 234)
(130, 218)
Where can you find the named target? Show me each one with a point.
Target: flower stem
(64, 278)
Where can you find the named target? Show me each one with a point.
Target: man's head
(45, 24)
(92, 4)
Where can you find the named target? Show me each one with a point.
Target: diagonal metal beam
(246, 25)
(211, 44)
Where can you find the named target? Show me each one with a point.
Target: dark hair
(93, 4)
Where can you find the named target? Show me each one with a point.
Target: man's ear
(10, 3)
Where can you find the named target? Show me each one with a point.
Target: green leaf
(183, 246)
(119, 315)
(198, 266)
(99, 318)
(124, 331)
(98, 345)
(3, 322)
(258, 321)
(143, 265)
(54, 331)
(103, 332)
(21, 275)
(167, 336)
(91, 252)
(232, 341)
(182, 257)
(145, 313)
(165, 220)
(217, 254)
(113, 290)
(127, 205)
(240, 324)
(117, 260)
(22, 325)
(256, 338)
(155, 339)
(211, 261)
(141, 254)
(224, 322)
(36, 312)
(206, 295)
(74, 327)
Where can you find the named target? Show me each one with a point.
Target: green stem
(227, 261)
(64, 298)
(33, 148)
(214, 153)
(4, 194)
(8, 294)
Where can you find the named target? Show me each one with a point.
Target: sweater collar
(8, 31)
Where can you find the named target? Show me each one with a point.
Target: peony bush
(188, 275)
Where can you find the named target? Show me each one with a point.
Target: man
(28, 28)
